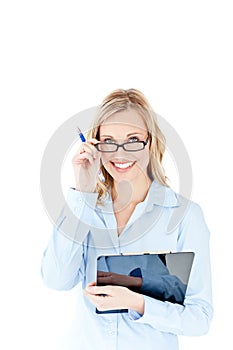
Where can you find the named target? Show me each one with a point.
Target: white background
(61, 57)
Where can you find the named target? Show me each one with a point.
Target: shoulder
(166, 197)
(182, 210)
(192, 225)
(189, 211)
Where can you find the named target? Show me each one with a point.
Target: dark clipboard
(163, 276)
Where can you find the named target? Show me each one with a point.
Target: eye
(108, 140)
(133, 139)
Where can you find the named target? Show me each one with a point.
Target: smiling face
(121, 127)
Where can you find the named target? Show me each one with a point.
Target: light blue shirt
(163, 222)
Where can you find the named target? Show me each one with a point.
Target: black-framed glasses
(127, 146)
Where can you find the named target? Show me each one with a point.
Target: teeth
(123, 165)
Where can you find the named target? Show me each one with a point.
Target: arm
(194, 317)
(63, 260)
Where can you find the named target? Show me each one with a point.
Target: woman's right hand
(86, 165)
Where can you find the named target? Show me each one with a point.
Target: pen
(82, 137)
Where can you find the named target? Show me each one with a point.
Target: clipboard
(162, 276)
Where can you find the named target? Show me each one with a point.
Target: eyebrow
(132, 133)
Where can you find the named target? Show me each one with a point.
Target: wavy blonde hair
(120, 100)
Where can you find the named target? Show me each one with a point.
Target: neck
(131, 192)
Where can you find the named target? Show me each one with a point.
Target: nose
(120, 150)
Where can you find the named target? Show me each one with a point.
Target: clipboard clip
(147, 253)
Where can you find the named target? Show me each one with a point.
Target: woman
(121, 203)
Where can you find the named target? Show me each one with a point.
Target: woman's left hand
(114, 298)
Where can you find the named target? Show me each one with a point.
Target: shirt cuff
(134, 315)
(155, 311)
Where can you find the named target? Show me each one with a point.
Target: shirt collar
(157, 195)
(162, 196)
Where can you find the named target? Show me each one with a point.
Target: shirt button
(112, 333)
(77, 210)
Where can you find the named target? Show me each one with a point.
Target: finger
(95, 290)
(101, 302)
(89, 149)
(93, 141)
(91, 284)
(79, 159)
(92, 150)
(89, 145)
(88, 288)
(86, 147)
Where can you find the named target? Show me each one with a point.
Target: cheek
(105, 159)
(144, 159)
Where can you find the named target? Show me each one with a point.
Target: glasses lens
(134, 146)
(106, 147)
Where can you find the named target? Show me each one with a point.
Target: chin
(129, 176)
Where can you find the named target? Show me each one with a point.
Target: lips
(122, 165)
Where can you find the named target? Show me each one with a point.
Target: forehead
(124, 121)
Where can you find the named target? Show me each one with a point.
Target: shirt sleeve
(63, 260)
(194, 316)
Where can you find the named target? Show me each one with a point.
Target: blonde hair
(120, 100)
